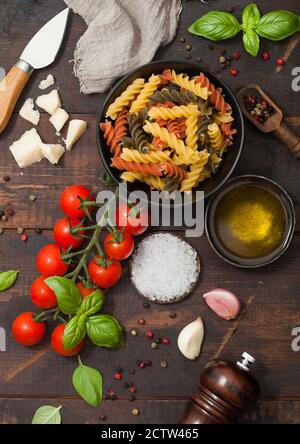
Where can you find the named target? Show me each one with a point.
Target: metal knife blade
(43, 48)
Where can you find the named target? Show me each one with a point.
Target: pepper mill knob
(247, 359)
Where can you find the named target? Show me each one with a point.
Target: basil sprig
(275, 25)
(103, 330)
(7, 279)
(88, 382)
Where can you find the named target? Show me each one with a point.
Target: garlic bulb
(190, 339)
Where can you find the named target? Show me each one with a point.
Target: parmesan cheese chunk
(46, 83)
(27, 150)
(76, 129)
(59, 118)
(28, 112)
(49, 102)
(52, 152)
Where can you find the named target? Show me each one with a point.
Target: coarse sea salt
(164, 267)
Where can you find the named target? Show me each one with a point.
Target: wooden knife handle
(289, 138)
(11, 88)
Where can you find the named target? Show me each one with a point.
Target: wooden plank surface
(270, 296)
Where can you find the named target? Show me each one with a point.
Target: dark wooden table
(271, 296)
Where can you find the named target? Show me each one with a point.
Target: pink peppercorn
(118, 376)
(142, 321)
(166, 341)
(24, 237)
(266, 56)
(149, 334)
(142, 365)
(280, 62)
(234, 72)
(236, 55)
(132, 389)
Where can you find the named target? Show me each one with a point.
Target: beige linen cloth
(121, 35)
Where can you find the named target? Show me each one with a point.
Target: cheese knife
(40, 52)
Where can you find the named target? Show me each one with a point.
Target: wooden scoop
(275, 123)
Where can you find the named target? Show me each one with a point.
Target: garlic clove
(190, 339)
(224, 303)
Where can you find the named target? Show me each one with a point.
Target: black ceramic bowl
(231, 158)
(290, 219)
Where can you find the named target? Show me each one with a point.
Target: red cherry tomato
(70, 202)
(57, 342)
(26, 331)
(105, 277)
(49, 262)
(62, 233)
(121, 248)
(42, 295)
(131, 223)
(85, 292)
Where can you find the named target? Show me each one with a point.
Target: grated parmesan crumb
(46, 83)
(164, 267)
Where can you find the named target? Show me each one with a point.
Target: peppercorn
(148, 363)
(142, 365)
(133, 333)
(182, 40)
(132, 398)
(188, 47)
(223, 52)
(118, 376)
(24, 237)
(251, 100)
(9, 211)
(38, 231)
(119, 370)
(135, 412)
(266, 56)
(173, 315)
(6, 178)
(149, 334)
(188, 56)
(234, 72)
(1, 230)
(132, 389)
(146, 305)
(280, 62)
(4, 218)
(132, 371)
(154, 346)
(158, 341)
(164, 364)
(222, 59)
(230, 9)
(142, 321)
(102, 417)
(236, 55)
(32, 197)
(198, 59)
(166, 341)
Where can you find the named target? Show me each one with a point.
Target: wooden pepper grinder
(226, 391)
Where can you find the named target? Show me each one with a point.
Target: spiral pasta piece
(177, 127)
(109, 135)
(133, 167)
(216, 97)
(136, 130)
(158, 144)
(125, 99)
(216, 137)
(121, 125)
(150, 157)
(196, 173)
(154, 182)
(173, 142)
(166, 95)
(174, 113)
(190, 84)
(174, 171)
(143, 98)
(192, 131)
(223, 118)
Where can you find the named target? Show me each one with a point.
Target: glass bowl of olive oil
(251, 222)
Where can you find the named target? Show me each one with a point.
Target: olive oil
(250, 221)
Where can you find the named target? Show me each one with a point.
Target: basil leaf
(278, 25)
(7, 279)
(105, 331)
(68, 295)
(251, 16)
(87, 381)
(92, 303)
(47, 415)
(216, 26)
(75, 331)
(251, 42)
